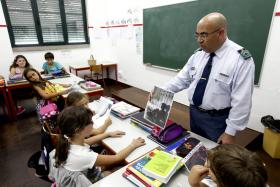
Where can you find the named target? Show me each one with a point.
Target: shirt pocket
(192, 73)
(223, 82)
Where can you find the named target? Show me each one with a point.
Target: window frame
(38, 29)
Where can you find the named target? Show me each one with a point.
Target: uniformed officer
(220, 78)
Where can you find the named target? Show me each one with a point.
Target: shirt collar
(219, 52)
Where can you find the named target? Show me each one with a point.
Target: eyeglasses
(204, 35)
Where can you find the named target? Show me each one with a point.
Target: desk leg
(12, 105)
(116, 72)
(7, 104)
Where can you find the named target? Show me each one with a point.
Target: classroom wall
(110, 45)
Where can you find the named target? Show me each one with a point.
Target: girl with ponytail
(73, 153)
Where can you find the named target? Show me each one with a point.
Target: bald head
(214, 20)
(212, 31)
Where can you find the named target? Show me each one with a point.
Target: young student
(51, 66)
(18, 66)
(230, 166)
(72, 153)
(16, 73)
(45, 89)
(97, 134)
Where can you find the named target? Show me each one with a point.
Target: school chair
(95, 72)
(63, 177)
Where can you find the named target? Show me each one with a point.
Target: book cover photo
(158, 106)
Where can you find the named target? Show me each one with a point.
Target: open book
(159, 106)
(193, 151)
(162, 165)
(104, 106)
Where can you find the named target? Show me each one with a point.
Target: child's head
(74, 122)
(233, 165)
(32, 75)
(49, 57)
(77, 99)
(20, 61)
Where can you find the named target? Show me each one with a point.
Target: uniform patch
(199, 49)
(245, 53)
(192, 68)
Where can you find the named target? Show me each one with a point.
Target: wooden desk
(178, 180)
(68, 80)
(6, 108)
(179, 112)
(10, 88)
(117, 144)
(77, 68)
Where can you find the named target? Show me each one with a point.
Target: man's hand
(197, 174)
(226, 139)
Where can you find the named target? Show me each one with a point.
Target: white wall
(131, 69)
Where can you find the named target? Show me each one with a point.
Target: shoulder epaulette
(245, 53)
(199, 49)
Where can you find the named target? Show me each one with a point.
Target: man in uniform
(220, 79)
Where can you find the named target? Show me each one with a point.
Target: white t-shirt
(80, 158)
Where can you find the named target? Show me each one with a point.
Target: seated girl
(97, 134)
(73, 153)
(45, 89)
(16, 73)
(18, 66)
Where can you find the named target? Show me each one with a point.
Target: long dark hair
(14, 64)
(234, 166)
(70, 121)
(41, 83)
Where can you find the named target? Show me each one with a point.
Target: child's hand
(116, 133)
(197, 174)
(137, 142)
(108, 121)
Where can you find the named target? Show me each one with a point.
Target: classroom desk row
(8, 90)
(116, 144)
(77, 68)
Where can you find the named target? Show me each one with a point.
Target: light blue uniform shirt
(230, 83)
(53, 68)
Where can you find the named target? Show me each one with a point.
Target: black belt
(215, 112)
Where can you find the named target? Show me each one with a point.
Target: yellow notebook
(162, 166)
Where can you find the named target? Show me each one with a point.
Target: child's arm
(99, 137)
(13, 74)
(102, 129)
(196, 175)
(107, 160)
(65, 85)
(45, 95)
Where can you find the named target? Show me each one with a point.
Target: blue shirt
(53, 68)
(230, 83)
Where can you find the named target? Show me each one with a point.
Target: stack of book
(138, 120)
(154, 169)
(124, 110)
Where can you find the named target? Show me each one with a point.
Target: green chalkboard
(169, 30)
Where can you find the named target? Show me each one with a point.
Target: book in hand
(159, 106)
(193, 151)
(162, 165)
(123, 109)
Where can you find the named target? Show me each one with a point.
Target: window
(46, 22)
